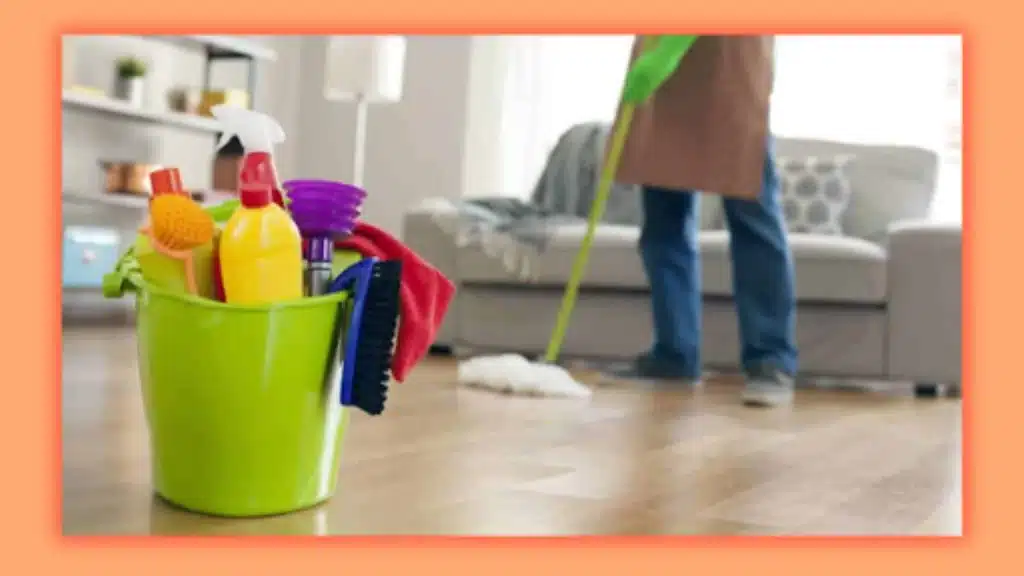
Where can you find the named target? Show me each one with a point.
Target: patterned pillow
(815, 193)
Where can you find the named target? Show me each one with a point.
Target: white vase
(130, 90)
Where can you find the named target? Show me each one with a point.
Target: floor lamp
(365, 70)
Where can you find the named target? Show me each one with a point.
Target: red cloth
(218, 280)
(425, 294)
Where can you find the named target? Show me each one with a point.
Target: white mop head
(513, 374)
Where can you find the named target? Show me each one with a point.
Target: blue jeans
(762, 270)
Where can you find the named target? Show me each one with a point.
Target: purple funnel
(327, 207)
(316, 202)
(324, 212)
(325, 188)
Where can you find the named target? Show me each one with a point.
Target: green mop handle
(666, 55)
(579, 266)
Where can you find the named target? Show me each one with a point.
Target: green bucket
(242, 402)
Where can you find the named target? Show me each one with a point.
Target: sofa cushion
(815, 193)
(828, 268)
(888, 183)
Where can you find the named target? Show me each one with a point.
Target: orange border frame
(31, 145)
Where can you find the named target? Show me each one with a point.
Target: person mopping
(689, 124)
(706, 129)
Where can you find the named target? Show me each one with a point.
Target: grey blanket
(515, 231)
(526, 222)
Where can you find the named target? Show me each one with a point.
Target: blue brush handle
(356, 280)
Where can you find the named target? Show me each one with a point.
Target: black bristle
(377, 337)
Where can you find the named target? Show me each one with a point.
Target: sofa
(878, 296)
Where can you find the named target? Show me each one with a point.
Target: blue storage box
(88, 254)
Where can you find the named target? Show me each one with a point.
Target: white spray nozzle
(257, 132)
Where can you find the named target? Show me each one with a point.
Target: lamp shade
(367, 67)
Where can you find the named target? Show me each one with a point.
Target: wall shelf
(106, 105)
(130, 202)
(107, 200)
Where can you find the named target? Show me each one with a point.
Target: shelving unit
(113, 107)
(127, 201)
(83, 296)
(123, 201)
(217, 48)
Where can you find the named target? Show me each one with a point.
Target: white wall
(488, 83)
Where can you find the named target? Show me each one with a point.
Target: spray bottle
(258, 134)
(260, 247)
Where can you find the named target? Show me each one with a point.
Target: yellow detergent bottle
(260, 251)
(260, 246)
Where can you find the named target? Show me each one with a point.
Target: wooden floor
(631, 460)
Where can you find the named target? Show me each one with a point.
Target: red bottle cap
(166, 181)
(255, 195)
(257, 168)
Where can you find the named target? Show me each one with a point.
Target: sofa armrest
(426, 229)
(924, 321)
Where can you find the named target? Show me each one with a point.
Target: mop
(514, 374)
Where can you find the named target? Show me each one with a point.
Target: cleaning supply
(659, 58)
(425, 294)
(222, 212)
(217, 280)
(655, 66)
(324, 212)
(258, 134)
(260, 251)
(177, 244)
(343, 259)
(166, 181)
(178, 223)
(374, 286)
(243, 414)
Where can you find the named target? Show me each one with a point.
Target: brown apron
(706, 128)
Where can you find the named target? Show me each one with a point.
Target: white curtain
(552, 83)
(865, 89)
(883, 89)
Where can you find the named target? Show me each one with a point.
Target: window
(879, 89)
(552, 83)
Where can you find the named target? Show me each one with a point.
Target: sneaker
(646, 369)
(768, 388)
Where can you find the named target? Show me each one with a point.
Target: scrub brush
(177, 226)
(370, 335)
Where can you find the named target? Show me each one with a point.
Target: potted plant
(129, 83)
